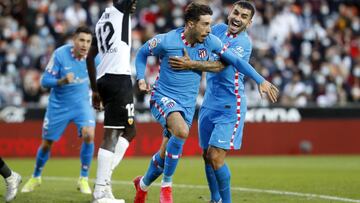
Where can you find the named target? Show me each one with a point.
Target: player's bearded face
(239, 19)
(82, 42)
(202, 28)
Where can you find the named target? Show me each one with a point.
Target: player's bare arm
(90, 64)
(185, 63)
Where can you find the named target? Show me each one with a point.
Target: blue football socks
(223, 179)
(173, 153)
(212, 182)
(41, 159)
(155, 169)
(86, 155)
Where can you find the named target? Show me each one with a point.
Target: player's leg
(205, 128)
(42, 157)
(123, 142)
(114, 91)
(12, 180)
(179, 130)
(216, 156)
(155, 169)
(84, 118)
(222, 140)
(54, 125)
(86, 156)
(156, 166)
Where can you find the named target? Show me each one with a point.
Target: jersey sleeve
(153, 47)
(242, 50)
(241, 65)
(51, 73)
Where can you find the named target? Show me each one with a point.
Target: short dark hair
(194, 10)
(246, 5)
(83, 29)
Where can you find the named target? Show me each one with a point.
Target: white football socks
(105, 159)
(120, 149)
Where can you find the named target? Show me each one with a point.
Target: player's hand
(96, 101)
(143, 87)
(181, 63)
(270, 90)
(69, 78)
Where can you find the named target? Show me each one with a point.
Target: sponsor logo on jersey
(240, 51)
(202, 53)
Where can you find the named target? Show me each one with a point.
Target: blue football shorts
(57, 119)
(162, 106)
(222, 129)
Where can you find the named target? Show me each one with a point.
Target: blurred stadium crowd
(309, 48)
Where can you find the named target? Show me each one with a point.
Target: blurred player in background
(69, 101)
(174, 95)
(112, 89)
(12, 180)
(222, 114)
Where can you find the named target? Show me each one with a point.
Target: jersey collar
(185, 41)
(73, 55)
(230, 35)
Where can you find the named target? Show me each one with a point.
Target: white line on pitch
(276, 192)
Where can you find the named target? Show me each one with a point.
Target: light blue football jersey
(224, 87)
(181, 86)
(61, 63)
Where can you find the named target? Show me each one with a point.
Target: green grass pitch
(254, 179)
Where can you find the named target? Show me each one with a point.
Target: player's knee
(88, 134)
(214, 159)
(183, 133)
(46, 145)
(130, 133)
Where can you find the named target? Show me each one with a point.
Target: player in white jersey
(112, 89)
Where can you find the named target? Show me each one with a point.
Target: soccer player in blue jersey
(69, 101)
(174, 93)
(222, 114)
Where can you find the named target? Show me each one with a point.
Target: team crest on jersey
(153, 43)
(170, 104)
(130, 121)
(202, 53)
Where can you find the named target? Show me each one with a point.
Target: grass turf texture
(337, 176)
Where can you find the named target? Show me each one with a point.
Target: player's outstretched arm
(185, 63)
(241, 65)
(244, 67)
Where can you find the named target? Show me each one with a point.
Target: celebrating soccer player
(174, 94)
(69, 100)
(221, 123)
